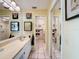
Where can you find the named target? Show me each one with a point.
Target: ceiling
(57, 9)
(58, 6)
(28, 4)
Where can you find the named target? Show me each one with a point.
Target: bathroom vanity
(16, 48)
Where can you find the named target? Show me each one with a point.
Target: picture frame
(27, 26)
(74, 4)
(71, 9)
(28, 15)
(14, 15)
(14, 26)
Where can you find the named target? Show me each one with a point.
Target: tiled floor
(56, 54)
(40, 52)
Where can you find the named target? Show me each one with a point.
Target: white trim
(53, 5)
(49, 32)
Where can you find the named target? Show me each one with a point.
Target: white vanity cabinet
(24, 52)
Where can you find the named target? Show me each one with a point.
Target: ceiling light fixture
(34, 7)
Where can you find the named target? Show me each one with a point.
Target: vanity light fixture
(11, 9)
(17, 8)
(5, 5)
(11, 5)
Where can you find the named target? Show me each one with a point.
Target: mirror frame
(28, 24)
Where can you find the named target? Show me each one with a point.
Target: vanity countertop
(11, 49)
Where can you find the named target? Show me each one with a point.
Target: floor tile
(40, 52)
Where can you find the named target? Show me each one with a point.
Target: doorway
(40, 32)
(40, 28)
(56, 31)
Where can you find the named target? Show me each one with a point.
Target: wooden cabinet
(25, 51)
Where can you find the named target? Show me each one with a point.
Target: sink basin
(1, 49)
(22, 38)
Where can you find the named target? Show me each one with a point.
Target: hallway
(40, 51)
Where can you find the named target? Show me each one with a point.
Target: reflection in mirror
(4, 28)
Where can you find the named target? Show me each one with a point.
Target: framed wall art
(14, 15)
(14, 26)
(28, 26)
(28, 15)
(74, 4)
(71, 9)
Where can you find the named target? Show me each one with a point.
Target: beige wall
(5, 12)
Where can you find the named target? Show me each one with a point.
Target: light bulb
(13, 3)
(11, 9)
(17, 8)
(5, 5)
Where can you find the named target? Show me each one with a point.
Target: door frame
(51, 12)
